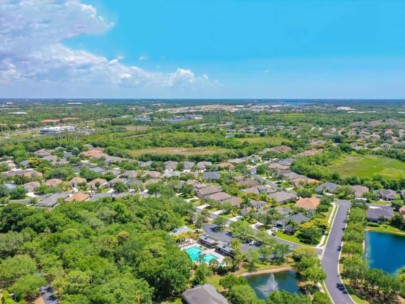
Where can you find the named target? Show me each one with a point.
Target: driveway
(331, 254)
(48, 295)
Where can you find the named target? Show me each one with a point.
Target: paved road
(48, 295)
(330, 258)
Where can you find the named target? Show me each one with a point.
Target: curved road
(331, 254)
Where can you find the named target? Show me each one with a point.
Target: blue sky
(222, 48)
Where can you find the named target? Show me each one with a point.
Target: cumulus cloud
(32, 35)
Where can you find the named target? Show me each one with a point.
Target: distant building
(57, 130)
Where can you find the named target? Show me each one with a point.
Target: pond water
(263, 284)
(385, 251)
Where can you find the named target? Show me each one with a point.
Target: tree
(120, 187)
(220, 222)
(321, 298)
(284, 297)
(280, 251)
(27, 287)
(242, 294)
(123, 289)
(187, 190)
(314, 274)
(18, 192)
(231, 280)
(252, 256)
(310, 235)
(76, 282)
(16, 267)
(214, 265)
(201, 274)
(261, 169)
(242, 230)
(4, 192)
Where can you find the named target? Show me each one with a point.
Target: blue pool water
(194, 252)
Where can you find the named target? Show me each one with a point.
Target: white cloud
(143, 58)
(32, 33)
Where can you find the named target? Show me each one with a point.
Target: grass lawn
(290, 238)
(382, 203)
(214, 280)
(386, 229)
(369, 166)
(273, 140)
(178, 151)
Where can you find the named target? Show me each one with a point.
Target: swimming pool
(194, 252)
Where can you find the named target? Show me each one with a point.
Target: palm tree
(201, 258)
(214, 264)
(227, 261)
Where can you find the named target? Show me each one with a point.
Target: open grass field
(273, 140)
(369, 166)
(178, 151)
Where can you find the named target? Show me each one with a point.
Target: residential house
(219, 197)
(78, 197)
(98, 170)
(326, 187)
(29, 173)
(359, 191)
(247, 183)
(378, 214)
(283, 197)
(152, 174)
(259, 190)
(54, 182)
(387, 194)
(74, 182)
(226, 165)
(31, 186)
(310, 203)
(204, 294)
(203, 165)
(298, 218)
(203, 192)
(234, 201)
(52, 200)
(43, 153)
(129, 174)
(171, 165)
(95, 197)
(94, 153)
(212, 176)
(188, 166)
(96, 182)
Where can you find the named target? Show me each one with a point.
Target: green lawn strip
(325, 239)
(386, 229)
(290, 238)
